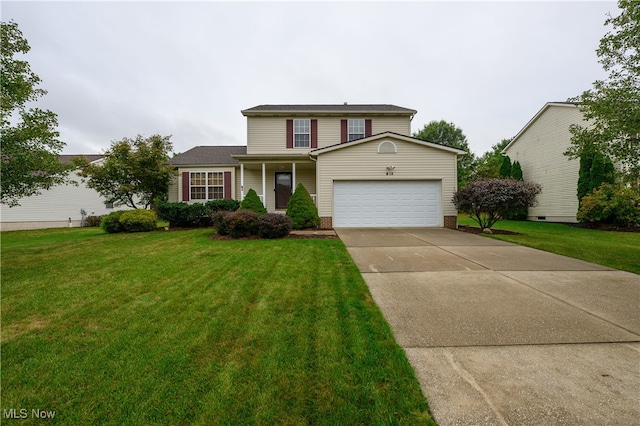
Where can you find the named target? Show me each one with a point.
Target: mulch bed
(475, 230)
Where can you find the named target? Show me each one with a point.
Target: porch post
(293, 177)
(264, 185)
(241, 181)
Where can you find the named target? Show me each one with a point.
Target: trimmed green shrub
(611, 204)
(301, 209)
(183, 215)
(252, 202)
(111, 222)
(273, 225)
(93, 221)
(139, 220)
(242, 223)
(228, 205)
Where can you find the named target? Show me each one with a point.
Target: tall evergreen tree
(505, 168)
(516, 171)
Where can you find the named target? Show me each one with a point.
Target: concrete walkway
(501, 334)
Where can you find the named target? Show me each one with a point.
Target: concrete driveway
(501, 334)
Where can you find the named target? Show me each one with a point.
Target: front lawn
(175, 328)
(620, 250)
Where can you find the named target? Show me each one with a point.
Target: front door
(283, 189)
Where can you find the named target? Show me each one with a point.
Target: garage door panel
(388, 203)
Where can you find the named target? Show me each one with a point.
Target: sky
(186, 69)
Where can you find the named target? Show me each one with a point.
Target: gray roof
(336, 108)
(208, 155)
(66, 158)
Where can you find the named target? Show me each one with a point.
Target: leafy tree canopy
(448, 134)
(133, 172)
(612, 106)
(28, 136)
(488, 166)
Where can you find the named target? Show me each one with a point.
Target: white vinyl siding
(387, 203)
(267, 135)
(540, 151)
(412, 161)
(54, 207)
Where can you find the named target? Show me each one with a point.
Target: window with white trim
(355, 129)
(302, 133)
(206, 185)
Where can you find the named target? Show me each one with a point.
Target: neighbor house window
(206, 185)
(356, 129)
(301, 133)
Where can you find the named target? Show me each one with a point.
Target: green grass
(176, 328)
(619, 250)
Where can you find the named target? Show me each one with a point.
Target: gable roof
(199, 155)
(335, 109)
(393, 135)
(67, 158)
(535, 117)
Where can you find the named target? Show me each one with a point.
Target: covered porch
(275, 177)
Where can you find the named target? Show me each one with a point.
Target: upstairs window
(301, 133)
(356, 129)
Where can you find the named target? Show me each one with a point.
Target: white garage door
(386, 203)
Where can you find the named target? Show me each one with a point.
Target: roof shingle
(330, 108)
(220, 155)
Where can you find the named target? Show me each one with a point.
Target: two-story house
(540, 147)
(358, 162)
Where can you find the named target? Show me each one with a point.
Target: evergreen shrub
(302, 210)
(252, 202)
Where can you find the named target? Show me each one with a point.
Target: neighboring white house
(540, 147)
(358, 162)
(60, 206)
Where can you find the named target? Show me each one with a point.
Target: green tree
(133, 172)
(516, 171)
(488, 166)
(505, 167)
(612, 106)
(252, 202)
(29, 161)
(448, 134)
(595, 169)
